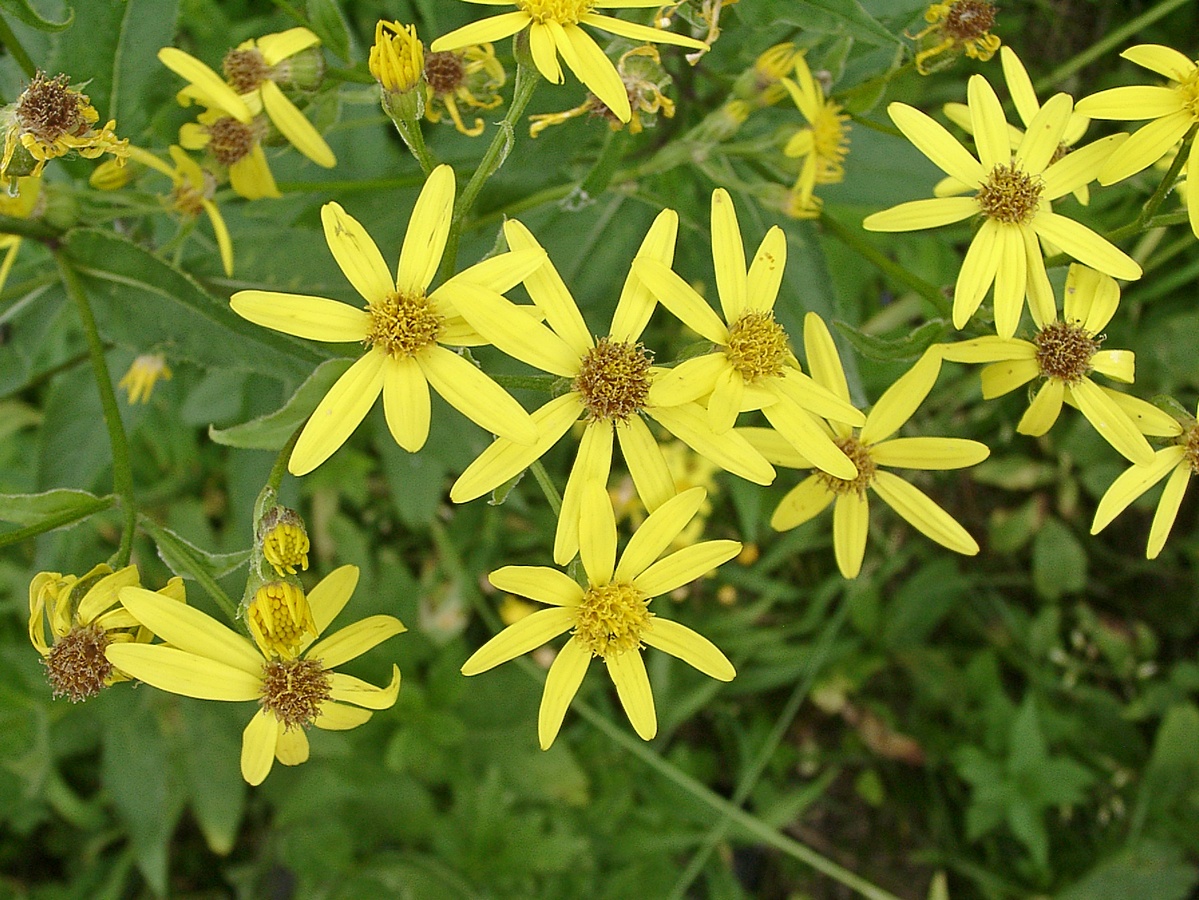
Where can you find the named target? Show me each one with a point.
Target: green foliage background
(1024, 721)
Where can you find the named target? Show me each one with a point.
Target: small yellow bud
(397, 60)
(285, 544)
(143, 374)
(279, 617)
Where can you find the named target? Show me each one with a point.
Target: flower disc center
(1010, 195)
(757, 346)
(611, 619)
(1190, 93)
(614, 379)
(76, 665)
(402, 324)
(444, 71)
(968, 20)
(294, 690)
(1190, 443)
(230, 140)
(1064, 351)
(564, 12)
(859, 454)
(48, 109)
(245, 70)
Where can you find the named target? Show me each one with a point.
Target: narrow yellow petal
(258, 744)
(1133, 482)
(1079, 167)
(1192, 188)
(681, 299)
(902, 398)
(1019, 85)
(657, 532)
(221, 231)
(988, 124)
(331, 594)
(798, 427)
(1044, 136)
(1111, 422)
(851, 526)
(1090, 298)
(1160, 59)
(1167, 510)
(766, 271)
(180, 672)
(520, 637)
(545, 53)
(549, 293)
(1046, 406)
(283, 44)
(597, 534)
(692, 648)
(1041, 303)
(538, 583)
(338, 414)
(106, 593)
(592, 67)
(593, 463)
(1149, 144)
(684, 566)
(929, 453)
(811, 395)
(1134, 102)
(251, 176)
(688, 381)
(314, 318)
(728, 256)
(406, 402)
(348, 689)
(1117, 364)
(339, 717)
(291, 747)
(502, 272)
(725, 403)
(190, 630)
(354, 640)
(645, 462)
(561, 684)
(493, 29)
(1011, 278)
(187, 66)
(1003, 377)
(982, 261)
(823, 360)
(428, 228)
(1086, 246)
(805, 501)
(636, 303)
(923, 514)
(1148, 418)
(475, 395)
(934, 141)
(356, 254)
(919, 214)
(988, 349)
(641, 33)
(730, 451)
(292, 124)
(627, 671)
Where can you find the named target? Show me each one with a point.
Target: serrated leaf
(325, 19)
(26, 14)
(892, 350)
(271, 432)
(63, 503)
(141, 301)
(182, 556)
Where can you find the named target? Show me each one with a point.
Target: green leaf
(1059, 562)
(837, 16)
(1173, 771)
(26, 14)
(891, 350)
(325, 19)
(210, 751)
(175, 552)
(141, 301)
(1149, 870)
(271, 432)
(47, 511)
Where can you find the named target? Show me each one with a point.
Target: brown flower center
(757, 346)
(245, 70)
(1064, 351)
(444, 71)
(859, 454)
(294, 690)
(48, 109)
(969, 20)
(614, 379)
(402, 325)
(1010, 195)
(612, 618)
(231, 140)
(76, 665)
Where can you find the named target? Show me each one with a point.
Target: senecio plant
(537, 369)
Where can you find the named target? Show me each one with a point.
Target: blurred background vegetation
(1023, 721)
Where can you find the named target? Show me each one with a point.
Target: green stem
(604, 168)
(1105, 46)
(854, 242)
(9, 40)
(66, 517)
(194, 567)
(122, 471)
(493, 158)
(547, 487)
(749, 778)
(30, 228)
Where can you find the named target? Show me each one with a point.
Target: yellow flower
(824, 144)
(752, 366)
(471, 76)
(51, 119)
(83, 624)
(1027, 106)
(644, 79)
(610, 618)
(397, 59)
(956, 27)
(1174, 109)
(191, 193)
(870, 449)
(253, 70)
(1063, 354)
(762, 84)
(403, 327)
(610, 385)
(554, 29)
(1014, 193)
(235, 145)
(202, 658)
(24, 205)
(1179, 460)
(143, 374)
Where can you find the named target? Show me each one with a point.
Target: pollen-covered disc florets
(76, 666)
(859, 455)
(1064, 351)
(402, 324)
(294, 690)
(968, 20)
(444, 71)
(1190, 444)
(1010, 195)
(231, 140)
(564, 12)
(245, 70)
(757, 346)
(279, 618)
(48, 109)
(611, 619)
(614, 379)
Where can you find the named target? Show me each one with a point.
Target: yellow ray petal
(348, 689)
(331, 594)
(476, 396)
(923, 514)
(258, 744)
(1111, 422)
(1149, 144)
(725, 403)
(645, 462)
(221, 232)
(545, 53)
(730, 451)
(184, 673)
(805, 501)
(209, 82)
(1117, 364)
(428, 228)
(635, 32)
(502, 272)
(798, 427)
(934, 141)
(1041, 303)
(1019, 85)
(356, 254)
(902, 398)
(1044, 135)
(728, 256)
(766, 271)
(692, 648)
(292, 125)
(291, 747)
(519, 638)
(919, 214)
(1148, 418)
(354, 640)
(627, 671)
(988, 124)
(283, 44)
(681, 299)
(1133, 482)
(823, 360)
(597, 534)
(1086, 246)
(851, 525)
(406, 402)
(775, 447)
(314, 318)
(339, 717)
(929, 453)
(538, 583)
(636, 303)
(657, 532)
(493, 29)
(1160, 59)
(1079, 167)
(561, 685)
(811, 395)
(987, 349)
(338, 414)
(684, 566)
(190, 630)
(1011, 278)
(1004, 377)
(1192, 188)
(549, 292)
(251, 176)
(592, 67)
(1167, 510)
(1046, 406)
(1090, 298)
(982, 261)
(688, 381)
(592, 466)
(1133, 102)
(106, 593)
